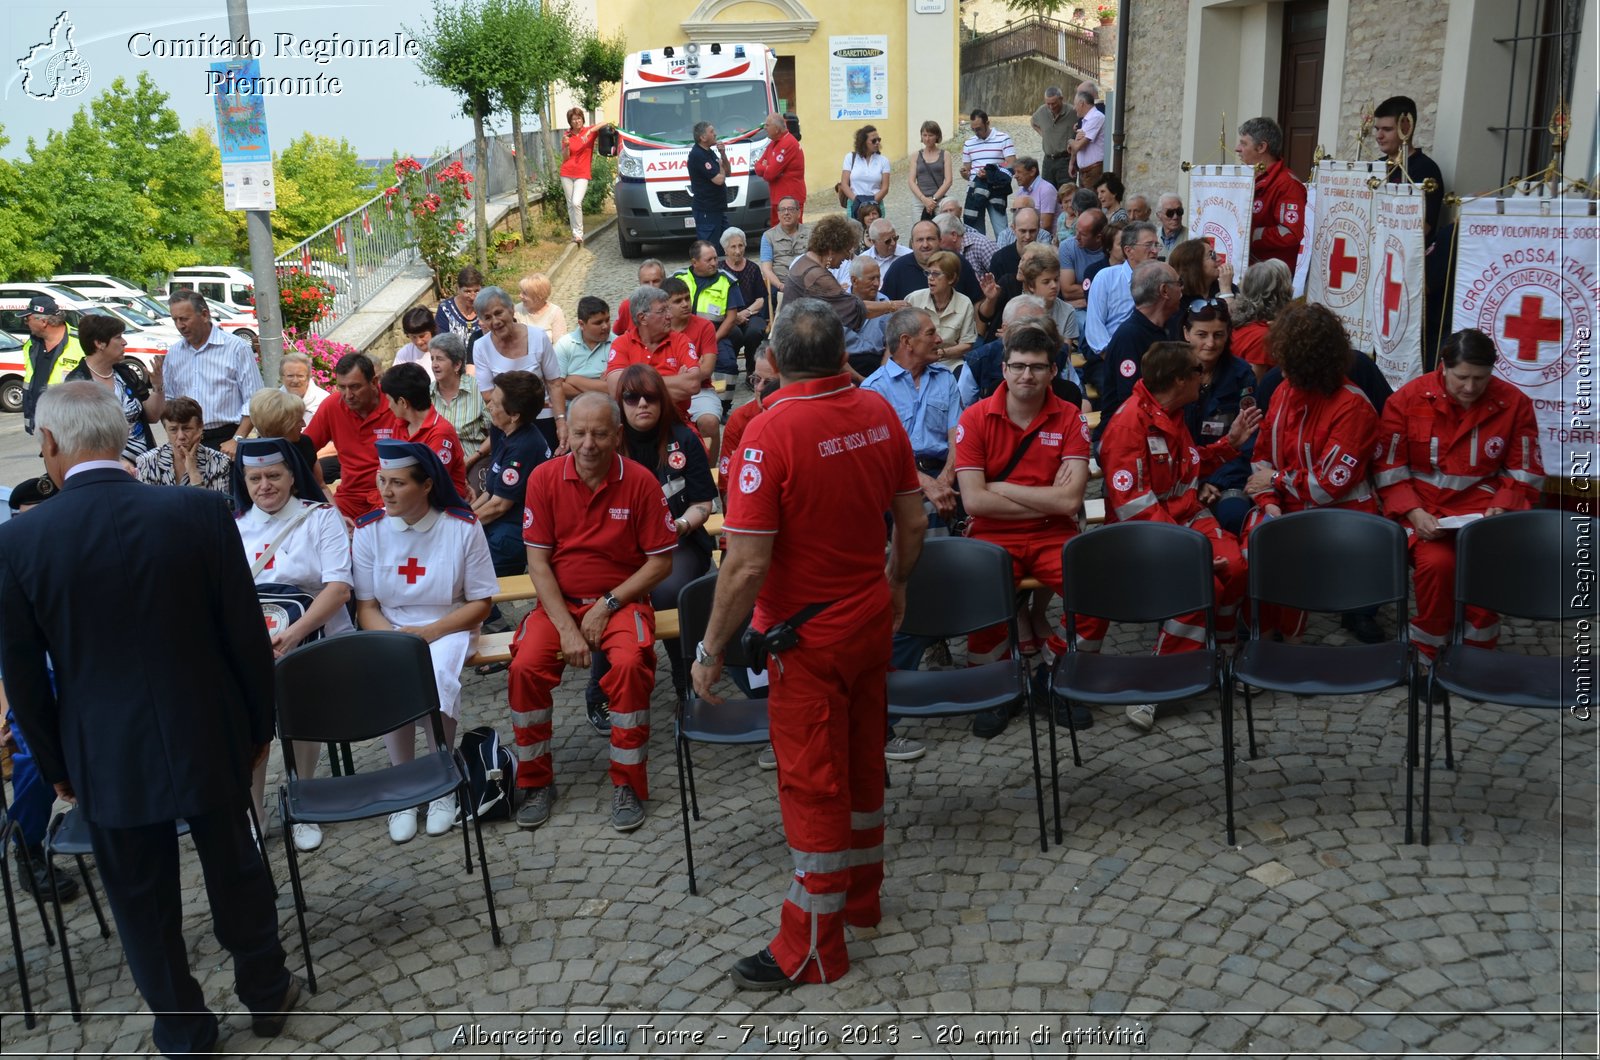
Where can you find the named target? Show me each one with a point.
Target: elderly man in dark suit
(141, 744)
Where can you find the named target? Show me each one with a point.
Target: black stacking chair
(960, 585)
(1326, 560)
(1137, 572)
(8, 828)
(68, 836)
(736, 721)
(359, 686)
(1542, 585)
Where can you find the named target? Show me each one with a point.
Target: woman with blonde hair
(276, 413)
(534, 307)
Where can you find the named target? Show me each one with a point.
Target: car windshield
(134, 316)
(9, 343)
(670, 112)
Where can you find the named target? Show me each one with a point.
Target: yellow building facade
(922, 58)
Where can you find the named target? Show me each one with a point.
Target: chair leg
(1055, 770)
(679, 751)
(488, 886)
(1072, 734)
(1250, 719)
(349, 762)
(94, 899)
(1449, 746)
(1038, 778)
(1411, 749)
(1427, 763)
(261, 845)
(25, 860)
(29, 1021)
(1227, 752)
(299, 893)
(333, 760)
(61, 929)
(463, 800)
(694, 799)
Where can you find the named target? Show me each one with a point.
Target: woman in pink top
(577, 158)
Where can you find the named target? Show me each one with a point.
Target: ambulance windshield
(670, 112)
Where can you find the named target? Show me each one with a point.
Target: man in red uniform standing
(1152, 472)
(354, 424)
(1278, 218)
(816, 473)
(783, 166)
(600, 536)
(1022, 463)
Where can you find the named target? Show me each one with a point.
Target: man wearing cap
(215, 368)
(52, 353)
(354, 424)
(600, 536)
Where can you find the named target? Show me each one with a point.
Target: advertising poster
(242, 136)
(858, 78)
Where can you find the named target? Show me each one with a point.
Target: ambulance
(665, 92)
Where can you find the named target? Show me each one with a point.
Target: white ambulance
(665, 93)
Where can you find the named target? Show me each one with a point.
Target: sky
(382, 104)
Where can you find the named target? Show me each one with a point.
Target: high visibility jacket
(1319, 446)
(36, 359)
(1447, 459)
(710, 297)
(1152, 466)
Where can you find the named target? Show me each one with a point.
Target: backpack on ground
(491, 774)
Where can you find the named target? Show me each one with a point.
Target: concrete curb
(565, 257)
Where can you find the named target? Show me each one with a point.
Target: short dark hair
(1164, 364)
(1468, 346)
(1034, 335)
(674, 285)
(1312, 347)
(351, 362)
(862, 135)
(903, 323)
(95, 328)
(1084, 200)
(699, 246)
(182, 410)
(418, 319)
(521, 394)
(1113, 182)
(469, 277)
(808, 339)
(1397, 107)
(590, 304)
(409, 383)
(977, 113)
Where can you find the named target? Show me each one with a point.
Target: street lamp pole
(263, 268)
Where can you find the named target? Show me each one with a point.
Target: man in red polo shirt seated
(407, 388)
(600, 536)
(673, 346)
(354, 424)
(1022, 462)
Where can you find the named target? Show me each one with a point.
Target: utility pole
(263, 268)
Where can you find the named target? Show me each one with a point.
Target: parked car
(145, 346)
(95, 283)
(11, 369)
(232, 286)
(148, 304)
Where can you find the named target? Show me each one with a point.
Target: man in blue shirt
(1110, 300)
(922, 393)
(708, 179)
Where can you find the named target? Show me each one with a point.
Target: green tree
(597, 62)
(319, 180)
(22, 226)
(540, 37)
(463, 51)
(95, 222)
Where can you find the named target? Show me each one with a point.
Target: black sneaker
(991, 723)
(600, 716)
(35, 877)
(1364, 627)
(760, 972)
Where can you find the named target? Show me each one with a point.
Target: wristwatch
(239, 438)
(704, 657)
(611, 602)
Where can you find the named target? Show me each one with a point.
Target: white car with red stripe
(665, 93)
(145, 346)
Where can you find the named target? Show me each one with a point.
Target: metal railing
(361, 252)
(1072, 46)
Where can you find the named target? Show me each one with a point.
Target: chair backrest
(355, 686)
(1137, 572)
(1328, 560)
(959, 584)
(1537, 565)
(694, 614)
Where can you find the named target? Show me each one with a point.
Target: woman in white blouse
(296, 372)
(291, 537)
(865, 171)
(509, 346)
(422, 565)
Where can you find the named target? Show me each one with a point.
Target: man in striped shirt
(216, 369)
(989, 146)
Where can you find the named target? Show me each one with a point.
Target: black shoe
(271, 1024)
(760, 972)
(991, 723)
(35, 878)
(1364, 628)
(1081, 719)
(600, 717)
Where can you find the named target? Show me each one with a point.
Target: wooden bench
(496, 647)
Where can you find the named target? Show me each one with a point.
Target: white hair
(880, 227)
(731, 232)
(83, 418)
(948, 201)
(859, 266)
(1174, 196)
(949, 224)
(1031, 304)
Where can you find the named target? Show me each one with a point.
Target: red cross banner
(1341, 267)
(1525, 276)
(1308, 236)
(1396, 299)
(1220, 200)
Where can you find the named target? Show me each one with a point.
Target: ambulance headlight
(630, 166)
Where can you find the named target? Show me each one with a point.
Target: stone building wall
(1157, 40)
(1392, 49)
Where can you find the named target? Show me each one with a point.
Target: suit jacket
(143, 601)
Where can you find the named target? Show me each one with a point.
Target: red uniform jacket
(1436, 455)
(1152, 466)
(1278, 218)
(783, 166)
(1319, 446)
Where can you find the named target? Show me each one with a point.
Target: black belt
(930, 465)
(1060, 154)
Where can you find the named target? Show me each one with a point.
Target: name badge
(1158, 446)
(1214, 428)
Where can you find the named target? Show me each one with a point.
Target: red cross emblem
(1340, 264)
(412, 570)
(270, 562)
(1392, 290)
(1530, 327)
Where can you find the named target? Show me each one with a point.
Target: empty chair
(360, 686)
(1543, 584)
(1137, 572)
(735, 721)
(68, 835)
(1328, 560)
(959, 585)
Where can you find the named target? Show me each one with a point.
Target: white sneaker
(307, 837)
(403, 825)
(441, 814)
(767, 759)
(1142, 716)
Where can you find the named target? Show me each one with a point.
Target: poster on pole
(858, 77)
(1221, 198)
(1395, 305)
(1525, 276)
(1341, 267)
(247, 182)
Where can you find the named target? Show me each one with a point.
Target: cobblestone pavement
(1321, 932)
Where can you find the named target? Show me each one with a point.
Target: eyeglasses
(1147, 246)
(639, 397)
(1022, 368)
(1173, 213)
(1200, 305)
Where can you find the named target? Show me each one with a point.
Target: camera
(758, 645)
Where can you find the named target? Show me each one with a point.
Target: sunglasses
(639, 397)
(1174, 213)
(1200, 305)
